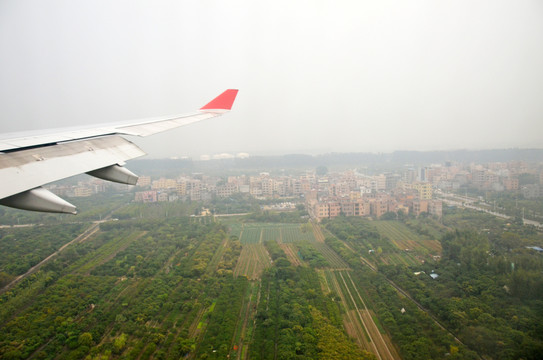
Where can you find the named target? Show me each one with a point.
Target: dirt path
(352, 326)
(385, 351)
(375, 351)
(291, 256)
(358, 319)
(317, 231)
(247, 313)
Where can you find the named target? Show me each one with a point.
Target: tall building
(424, 190)
(378, 207)
(82, 191)
(146, 196)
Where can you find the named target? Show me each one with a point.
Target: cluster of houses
(409, 190)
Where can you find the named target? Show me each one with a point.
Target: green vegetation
(293, 320)
(96, 207)
(492, 302)
(415, 333)
(130, 291)
(217, 340)
(487, 289)
(160, 284)
(251, 233)
(25, 247)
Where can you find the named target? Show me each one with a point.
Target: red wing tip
(222, 102)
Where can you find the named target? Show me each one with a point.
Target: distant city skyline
(314, 77)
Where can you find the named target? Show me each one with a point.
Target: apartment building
(424, 190)
(144, 181)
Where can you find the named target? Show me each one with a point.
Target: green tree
(85, 339)
(119, 343)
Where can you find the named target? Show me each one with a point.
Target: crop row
(252, 261)
(404, 238)
(255, 233)
(293, 233)
(235, 229)
(250, 236)
(331, 256)
(344, 276)
(271, 234)
(401, 259)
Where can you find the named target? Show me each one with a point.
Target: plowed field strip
(317, 231)
(291, 255)
(358, 312)
(331, 256)
(377, 338)
(349, 321)
(253, 259)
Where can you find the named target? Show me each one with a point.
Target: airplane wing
(29, 161)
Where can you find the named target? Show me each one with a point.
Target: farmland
(409, 248)
(201, 288)
(254, 257)
(386, 242)
(334, 260)
(252, 233)
(358, 319)
(294, 239)
(132, 290)
(403, 238)
(252, 261)
(290, 251)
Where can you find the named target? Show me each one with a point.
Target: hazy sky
(314, 76)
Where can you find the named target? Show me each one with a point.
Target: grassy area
(251, 233)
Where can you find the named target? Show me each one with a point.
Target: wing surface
(218, 106)
(29, 161)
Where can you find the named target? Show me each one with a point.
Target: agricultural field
(401, 246)
(292, 233)
(254, 258)
(271, 234)
(135, 290)
(403, 238)
(399, 258)
(246, 322)
(317, 230)
(234, 228)
(291, 253)
(358, 320)
(252, 233)
(334, 260)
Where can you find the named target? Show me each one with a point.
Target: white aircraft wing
(29, 161)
